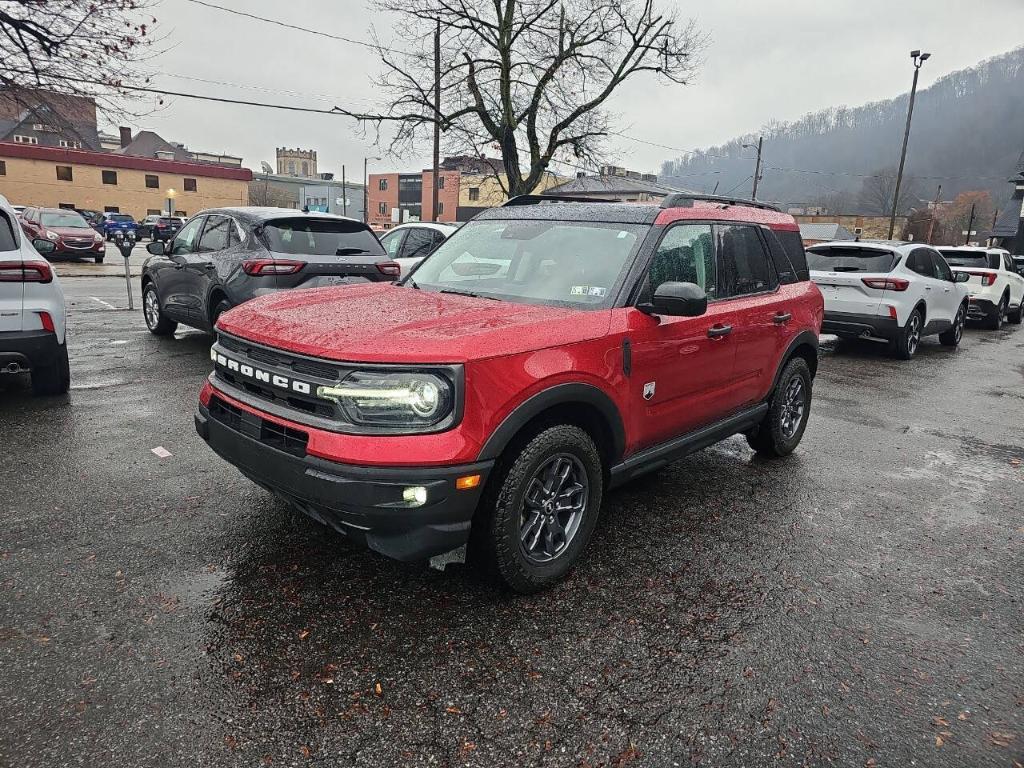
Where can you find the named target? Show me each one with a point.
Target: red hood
(382, 323)
(72, 231)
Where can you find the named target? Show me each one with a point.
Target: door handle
(782, 317)
(718, 331)
(927, 287)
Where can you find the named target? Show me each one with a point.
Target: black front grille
(269, 433)
(283, 360)
(266, 392)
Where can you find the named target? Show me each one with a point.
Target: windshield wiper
(467, 293)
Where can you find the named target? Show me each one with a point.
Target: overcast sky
(766, 59)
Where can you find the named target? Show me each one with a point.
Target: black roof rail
(536, 199)
(687, 199)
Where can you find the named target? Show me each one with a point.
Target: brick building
(296, 162)
(106, 181)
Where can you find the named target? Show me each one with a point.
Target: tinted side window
(392, 242)
(920, 262)
(942, 270)
(215, 234)
(794, 246)
(685, 255)
(743, 266)
(417, 243)
(185, 240)
(7, 242)
(1008, 263)
(783, 266)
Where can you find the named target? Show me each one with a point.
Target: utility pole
(970, 225)
(437, 118)
(935, 212)
(757, 168)
(344, 193)
(366, 189)
(919, 59)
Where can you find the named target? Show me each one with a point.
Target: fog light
(415, 496)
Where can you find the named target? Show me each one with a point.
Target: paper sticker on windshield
(586, 290)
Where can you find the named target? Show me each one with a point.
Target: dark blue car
(117, 222)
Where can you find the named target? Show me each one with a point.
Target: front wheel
(783, 426)
(98, 259)
(951, 338)
(540, 509)
(156, 321)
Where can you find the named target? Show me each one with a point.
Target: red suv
(551, 349)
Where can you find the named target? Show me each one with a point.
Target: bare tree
(69, 48)
(877, 191)
(528, 77)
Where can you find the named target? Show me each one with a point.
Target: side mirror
(44, 246)
(156, 248)
(678, 300)
(961, 277)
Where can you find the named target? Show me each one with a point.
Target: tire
(156, 321)
(909, 337)
(951, 338)
(98, 259)
(995, 321)
(515, 534)
(219, 308)
(1017, 316)
(53, 378)
(782, 428)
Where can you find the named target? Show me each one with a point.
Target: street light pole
(437, 119)
(919, 59)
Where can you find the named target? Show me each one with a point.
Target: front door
(175, 287)
(682, 367)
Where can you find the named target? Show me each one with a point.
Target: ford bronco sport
(551, 349)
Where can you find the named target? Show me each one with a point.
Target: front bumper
(851, 325)
(29, 349)
(364, 503)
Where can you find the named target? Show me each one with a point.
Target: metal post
(437, 117)
(970, 226)
(757, 168)
(919, 59)
(935, 211)
(366, 203)
(344, 193)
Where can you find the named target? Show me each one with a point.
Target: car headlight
(401, 399)
(52, 236)
(97, 237)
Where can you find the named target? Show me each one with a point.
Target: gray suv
(223, 257)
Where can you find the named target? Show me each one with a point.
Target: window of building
(474, 194)
(64, 173)
(291, 167)
(440, 208)
(305, 168)
(382, 209)
(382, 185)
(3, 168)
(440, 182)
(182, 214)
(109, 177)
(66, 206)
(111, 209)
(190, 185)
(152, 182)
(70, 144)
(18, 139)
(153, 211)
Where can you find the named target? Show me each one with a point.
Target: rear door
(12, 287)
(327, 251)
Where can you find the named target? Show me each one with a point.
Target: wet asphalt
(857, 604)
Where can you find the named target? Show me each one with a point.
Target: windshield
(563, 263)
(850, 259)
(981, 259)
(320, 237)
(69, 219)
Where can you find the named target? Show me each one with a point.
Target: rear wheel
(909, 337)
(783, 426)
(951, 338)
(995, 320)
(540, 509)
(156, 321)
(54, 378)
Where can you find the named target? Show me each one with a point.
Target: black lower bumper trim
(851, 325)
(981, 308)
(364, 503)
(29, 349)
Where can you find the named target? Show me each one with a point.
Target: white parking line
(106, 304)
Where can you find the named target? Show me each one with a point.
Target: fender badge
(648, 390)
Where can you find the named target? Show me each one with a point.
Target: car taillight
(390, 268)
(886, 283)
(261, 267)
(987, 278)
(46, 320)
(26, 272)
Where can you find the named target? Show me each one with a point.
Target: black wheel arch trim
(804, 337)
(559, 394)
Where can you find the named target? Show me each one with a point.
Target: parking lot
(859, 603)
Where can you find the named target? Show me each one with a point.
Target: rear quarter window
(793, 244)
(7, 241)
(851, 259)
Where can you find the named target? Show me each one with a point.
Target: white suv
(996, 287)
(895, 292)
(32, 316)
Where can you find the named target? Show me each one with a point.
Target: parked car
(67, 230)
(95, 218)
(996, 287)
(409, 244)
(226, 256)
(161, 228)
(117, 222)
(32, 316)
(18, 210)
(1018, 262)
(544, 353)
(891, 292)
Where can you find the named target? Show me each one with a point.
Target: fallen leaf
(938, 741)
(1002, 739)
(378, 689)
(303, 634)
(963, 715)
(231, 742)
(453, 710)
(306, 751)
(940, 721)
(871, 763)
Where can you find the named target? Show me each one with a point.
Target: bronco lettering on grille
(257, 374)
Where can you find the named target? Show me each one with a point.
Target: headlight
(97, 237)
(52, 236)
(401, 399)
